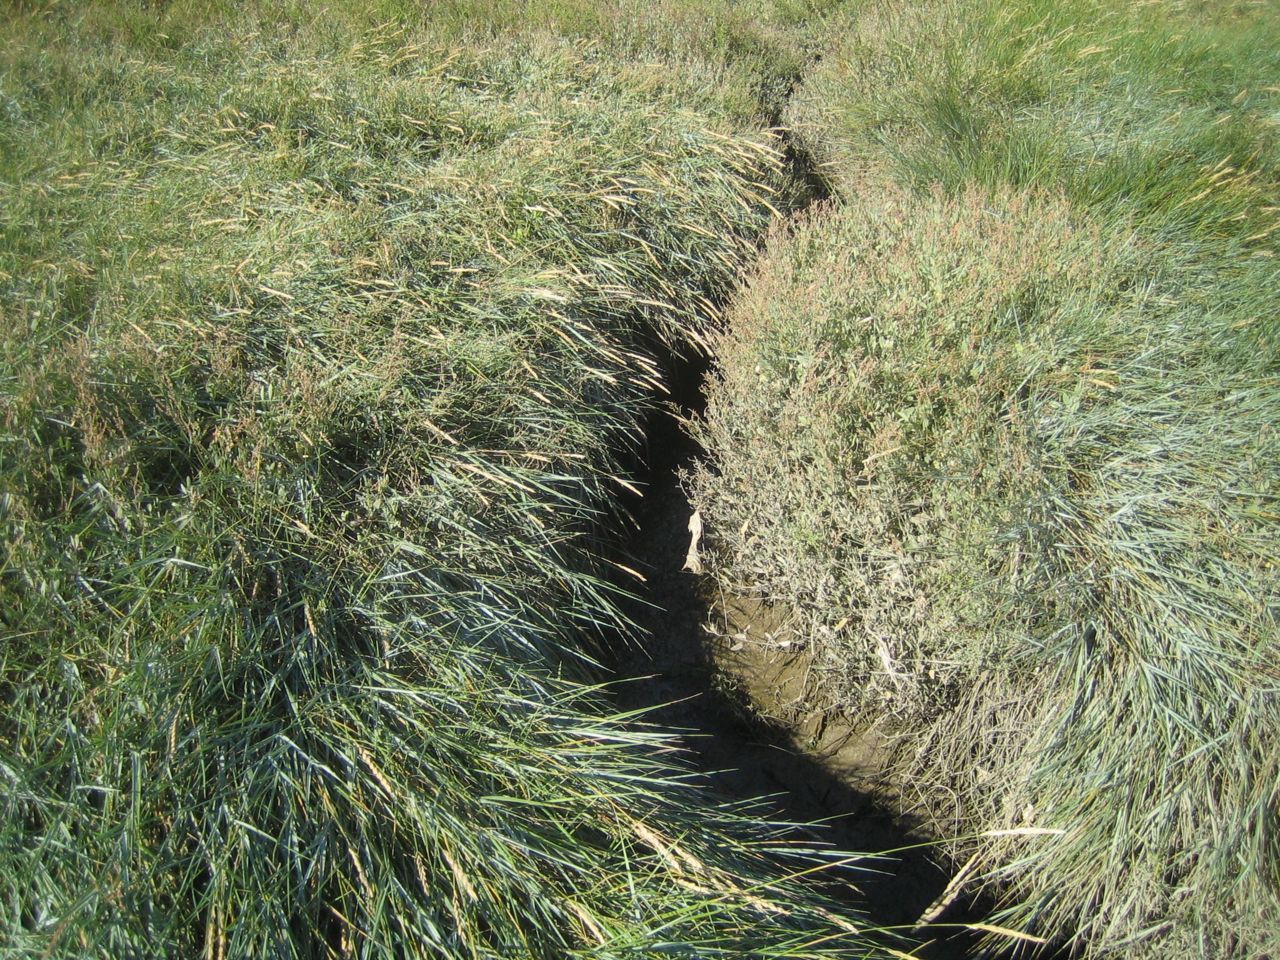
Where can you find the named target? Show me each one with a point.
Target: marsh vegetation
(332, 337)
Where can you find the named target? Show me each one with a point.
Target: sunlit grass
(326, 346)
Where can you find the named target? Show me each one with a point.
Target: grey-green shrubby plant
(1001, 426)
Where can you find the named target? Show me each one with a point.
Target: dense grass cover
(1165, 109)
(324, 346)
(1001, 426)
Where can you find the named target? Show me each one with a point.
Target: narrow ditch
(684, 676)
(680, 675)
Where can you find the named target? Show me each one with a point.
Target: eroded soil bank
(729, 673)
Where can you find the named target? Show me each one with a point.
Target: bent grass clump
(323, 352)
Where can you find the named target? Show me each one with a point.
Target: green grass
(741, 56)
(1001, 426)
(329, 336)
(1164, 110)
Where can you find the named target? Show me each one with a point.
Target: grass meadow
(1000, 424)
(329, 335)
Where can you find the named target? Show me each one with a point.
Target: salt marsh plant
(327, 335)
(1001, 426)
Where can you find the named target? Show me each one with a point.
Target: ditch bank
(724, 671)
(732, 678)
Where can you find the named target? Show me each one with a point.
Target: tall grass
(1001, 426)
(1165, 111)
(325, 342)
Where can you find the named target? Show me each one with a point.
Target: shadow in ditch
(676, 675)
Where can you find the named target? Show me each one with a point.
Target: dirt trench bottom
(728, 672)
